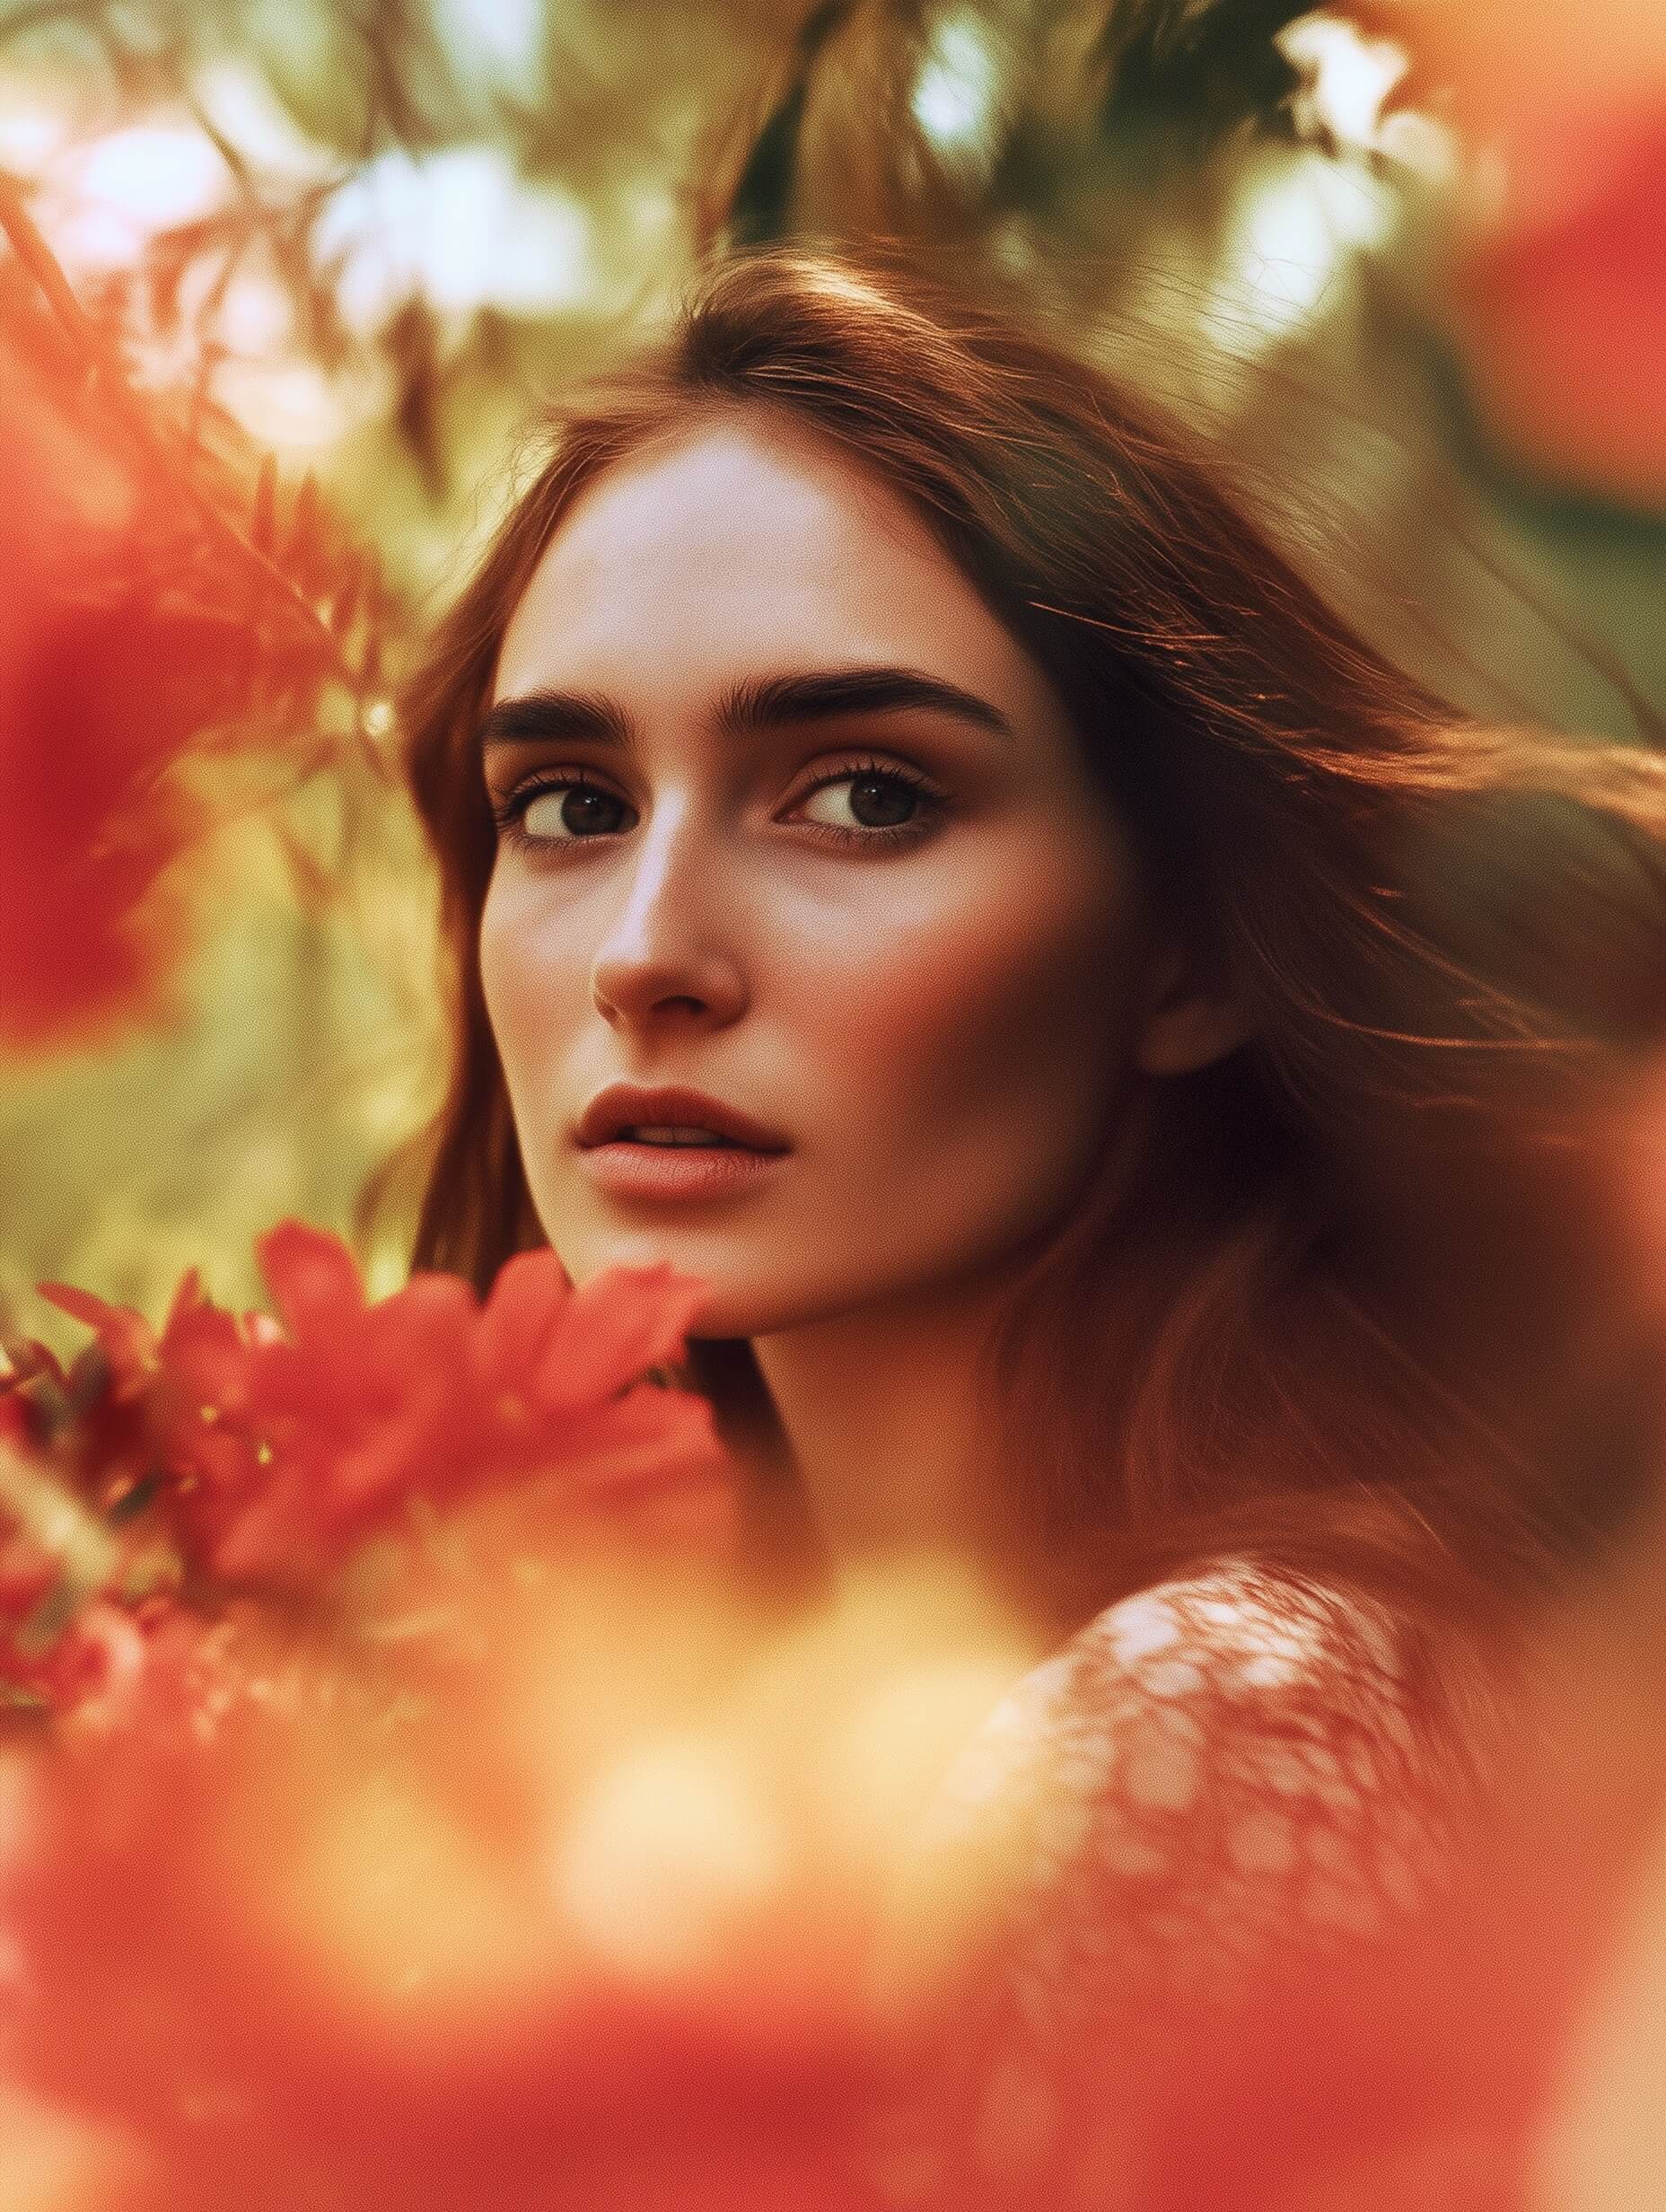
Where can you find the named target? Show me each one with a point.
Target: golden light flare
(448, 1835)
(1603, 2144)
(407, 1904)
(52, 2161)
(668, 1861)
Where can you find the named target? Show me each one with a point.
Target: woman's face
(837, 864)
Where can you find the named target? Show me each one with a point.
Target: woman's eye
(870, 803)
(563, 812)
(572, 810)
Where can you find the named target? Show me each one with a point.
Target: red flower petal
(204, 1351)
(126, 1337)
(188, 1299)
(652, 1437)
(314, 1278)
(430, 1318)
(523, 1309)
(613, 1329)
(280, 1451)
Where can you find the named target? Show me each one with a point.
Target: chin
(728, 1309)
(740, 1301)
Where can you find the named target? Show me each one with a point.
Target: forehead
(743, 544)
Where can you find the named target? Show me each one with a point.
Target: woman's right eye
(557, 810)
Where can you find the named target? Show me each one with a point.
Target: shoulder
(1212, 1663)
(1225, 1799)
(1237, 1657)
(1219, 1767)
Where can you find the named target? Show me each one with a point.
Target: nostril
(694, 986)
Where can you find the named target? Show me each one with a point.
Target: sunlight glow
(256, 314)
(1348, 74)
(499, 39)
(122, 190)
(240, 101)
(462, 229)
(31, 132)
(669, 1850)
(1294, 233)
(291, 404)
(955, 96)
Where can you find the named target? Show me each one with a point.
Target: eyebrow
(745, 709)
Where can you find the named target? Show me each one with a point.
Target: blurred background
(283, 280)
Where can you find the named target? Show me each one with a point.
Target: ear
(1187, 1022)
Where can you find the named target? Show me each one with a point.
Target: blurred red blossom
(1559, 280)
(85, 831)
(562, 1894)
(142, 618)
(274, 1448)
(1563, 309)
(292, 1935)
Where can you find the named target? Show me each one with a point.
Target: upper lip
(628, 1106)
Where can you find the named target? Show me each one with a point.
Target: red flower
(64, 1640)
(302, 1929)
(279, 1448)
(89, 670)
(1583, 279)
(1559, 286)
(149, 1419)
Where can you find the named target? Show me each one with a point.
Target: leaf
(263, 524)
(301, 546)
(1193, 69)
(760, 205)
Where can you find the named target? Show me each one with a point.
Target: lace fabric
(1221, 1783)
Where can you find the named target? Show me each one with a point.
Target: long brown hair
(1339, 1294)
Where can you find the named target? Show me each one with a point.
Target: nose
(662, 957)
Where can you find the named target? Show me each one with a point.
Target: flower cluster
(231, 1451)
(381, 1823)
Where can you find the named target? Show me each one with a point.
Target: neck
(880, 1412)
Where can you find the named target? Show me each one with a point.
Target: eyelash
(509, 810)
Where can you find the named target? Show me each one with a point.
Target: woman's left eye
(888, 804)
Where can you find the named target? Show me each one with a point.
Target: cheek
(1004, 1009)
(535, 989)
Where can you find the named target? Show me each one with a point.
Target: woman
(1145, 1033)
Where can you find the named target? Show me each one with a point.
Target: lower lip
(626, 1171)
